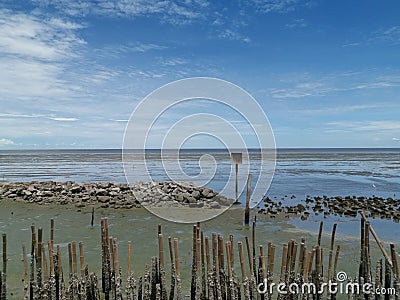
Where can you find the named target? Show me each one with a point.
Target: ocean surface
(298, 172)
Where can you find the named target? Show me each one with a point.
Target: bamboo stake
(367, 253)
(59, 261)
(39, 255)
(92, 218)
(300, 267)
(271, 257)
(331, 251)
(293, 256)
(25, 260)
(208, 260)
(247, 208)
(320, 233)
(74, 262)
(262, 261)
(284, 262)
(70, 258)
(394, 260)
(129, 255)
(173, 270)
(336, 259)
(221, 251)
(161, 250)
(116, 256)
(194, 255)
(249, 256)
(378, 241)
(4, 237)
(232, 252)
(45, 268)
(241, 259)
(51, 259)
(51, 232)
(81, 259)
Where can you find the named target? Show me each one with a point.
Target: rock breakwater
(114, 195)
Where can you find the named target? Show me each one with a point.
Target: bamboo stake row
(214, 275)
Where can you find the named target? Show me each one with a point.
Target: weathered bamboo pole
(253, 242)
(302, 254)
(178, 272)
(336, 259)
(263, 271)
(330, 262)
(70, 258)
(249, 255)
(284, 262)
(161, 250)
(129, 256)
(45, 267)
(271, 257)
(74, 258)
(221, 252)
(194, 271)
(59, 261)
(203, 268)
(232, 252)
(39, 256)
(81, 259)
(92, 218)
(208, 260)
(368, 273)
(51, 257)
(3, 275)
(173, 270)
(378, 241)
(241, 260)
(247, 208)
(395, 264)
(51, 233)
(25, 261)
(320, 233)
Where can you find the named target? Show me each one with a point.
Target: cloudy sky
(326, 73)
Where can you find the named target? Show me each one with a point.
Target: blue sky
(326, 73)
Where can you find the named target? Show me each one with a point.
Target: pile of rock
(114, 195)
(178, 194)
(348, 206)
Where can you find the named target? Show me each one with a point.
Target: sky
(326, 73)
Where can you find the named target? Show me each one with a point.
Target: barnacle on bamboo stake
(178, 272)
(25, 274)
(154, 277)
(146, 284)
(203, 269)
(3, 275)
(161, 271)
(194, 267)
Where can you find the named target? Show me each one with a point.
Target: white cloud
(34, 54)
(297, 23)
(233, 35)
(6, 142)
(379, 126)
(33, 37)
(175, 12)
(280, 6)
(396, 139)
(64, 119)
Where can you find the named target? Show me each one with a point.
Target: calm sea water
(298, 171)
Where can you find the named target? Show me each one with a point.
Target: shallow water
(140, 227)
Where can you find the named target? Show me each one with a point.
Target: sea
(299, 172)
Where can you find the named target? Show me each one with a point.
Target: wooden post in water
(247, 208)
(236, 160)
(129, 257)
